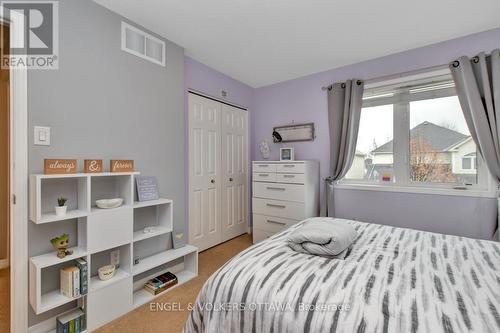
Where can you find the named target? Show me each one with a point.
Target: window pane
(439, 141)
(373, 160)
(466, 163)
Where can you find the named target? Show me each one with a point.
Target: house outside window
(413, 133)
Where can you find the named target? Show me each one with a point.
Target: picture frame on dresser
(284, 193)
(286, 154)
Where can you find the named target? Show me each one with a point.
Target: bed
(393, 280)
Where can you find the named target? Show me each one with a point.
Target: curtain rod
(399, 75)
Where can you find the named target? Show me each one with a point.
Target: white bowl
(106, 272)
(109, 203)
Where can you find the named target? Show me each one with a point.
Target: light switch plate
(41, 136)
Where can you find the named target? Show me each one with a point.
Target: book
(66, 281)
(83, 267)
(77, 325)
(61, 328)
(160, 283)
(76, 282)
(66, 321)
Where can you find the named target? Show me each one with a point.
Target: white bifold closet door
(217, 172)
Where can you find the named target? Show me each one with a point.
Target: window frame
(401, 182)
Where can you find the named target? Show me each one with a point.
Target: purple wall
(302, 100)
(202, 78)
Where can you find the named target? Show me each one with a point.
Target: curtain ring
(343, 85)
(359, 82)
(455, 64)
(475, 59)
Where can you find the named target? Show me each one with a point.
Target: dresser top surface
(284, 162)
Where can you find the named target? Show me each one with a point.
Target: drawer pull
(289, 165)
(263, 175)
(275, 206)
(263, 166)
(289, 176)
(276, 222)
(275, 188)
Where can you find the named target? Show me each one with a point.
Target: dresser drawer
(292, 178)
(264, 176)
(271, 223)
(290, 168)
(287, 192)
(278, 208)
(260, 235)
(264, 167)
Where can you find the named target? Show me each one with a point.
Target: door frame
(18, 185)
(249, 153)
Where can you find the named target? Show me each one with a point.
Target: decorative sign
(147, 188)
(93, 166)
(294, 133)
(178, 239)
(56, 166)
(121, 165)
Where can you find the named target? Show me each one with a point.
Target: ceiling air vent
(142, 44)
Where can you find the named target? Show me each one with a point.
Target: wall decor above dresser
(284, 193)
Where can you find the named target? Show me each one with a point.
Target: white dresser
(284, 193)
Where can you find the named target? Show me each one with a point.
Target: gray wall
(105, 103)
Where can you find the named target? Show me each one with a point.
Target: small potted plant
(61, 207)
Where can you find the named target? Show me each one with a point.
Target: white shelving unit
(140, 230)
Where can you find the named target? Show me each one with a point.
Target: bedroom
(201, 139)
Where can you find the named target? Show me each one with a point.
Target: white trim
(146, 36)
(490, 193)
(407, 76)
(456, 145)
(19, 188)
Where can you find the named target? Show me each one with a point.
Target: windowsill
(478, 193)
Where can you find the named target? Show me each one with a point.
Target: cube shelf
(137, 229)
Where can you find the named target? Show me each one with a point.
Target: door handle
(275, 188)
(230, 179)
(212, 181)
(289, 176)
(276, 222)
(276, 206)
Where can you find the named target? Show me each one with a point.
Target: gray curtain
(477, 82)
(344, 109)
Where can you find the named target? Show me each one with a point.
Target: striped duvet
(393, 280)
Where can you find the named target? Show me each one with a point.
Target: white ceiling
(261, 42)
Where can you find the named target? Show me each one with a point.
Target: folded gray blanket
(323, 236)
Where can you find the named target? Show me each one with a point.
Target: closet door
(234, 172)
(204, 172)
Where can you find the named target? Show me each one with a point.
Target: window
(469, 162)
(413, 133)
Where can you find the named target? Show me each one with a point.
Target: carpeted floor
(5, 300)
(145, 320)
